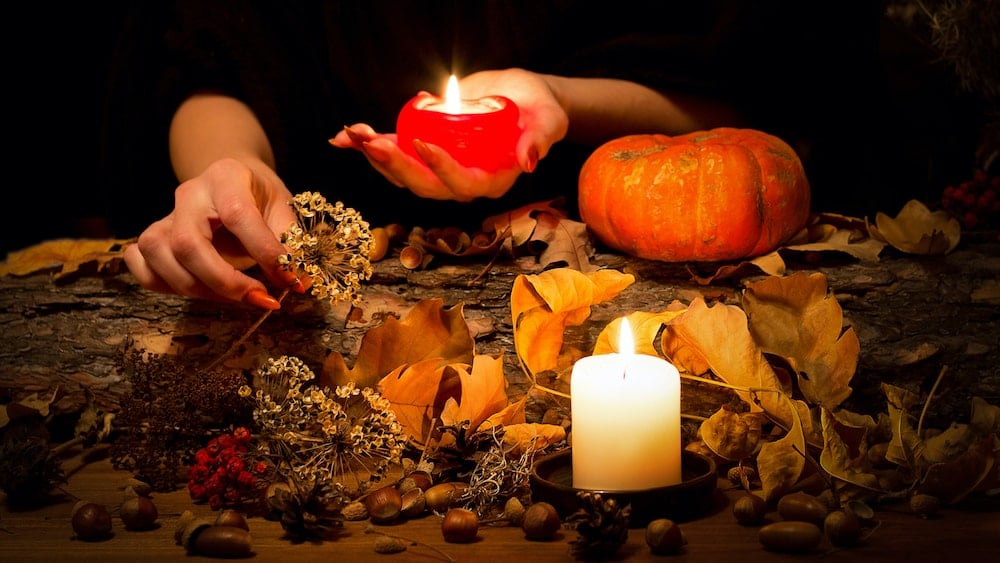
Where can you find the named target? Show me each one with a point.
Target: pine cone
(314, 512)
(602, 526)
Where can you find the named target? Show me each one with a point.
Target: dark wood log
(913, 315)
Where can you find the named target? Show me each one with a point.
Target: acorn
(443, 496)
(790, 537)
(91, 521)
(802, 507)
(540, 522)
(664, 537)
(460, 525)
(138, 513)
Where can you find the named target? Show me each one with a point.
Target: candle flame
(453, 97)
(626, 342)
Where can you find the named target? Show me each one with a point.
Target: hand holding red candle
(481, 133)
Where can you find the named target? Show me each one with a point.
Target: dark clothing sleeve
(309, 68)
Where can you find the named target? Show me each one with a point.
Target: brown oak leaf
(798, 319)
(67, 256)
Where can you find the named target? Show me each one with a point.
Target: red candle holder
(483, 134)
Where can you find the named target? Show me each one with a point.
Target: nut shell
(138, 513)
(790, 537)
(750, 509)
(664, 536)
(540, 522)
(91, 521)
(460, 525)
(384, 504)
(802, 507)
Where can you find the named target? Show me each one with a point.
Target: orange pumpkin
(715, 195)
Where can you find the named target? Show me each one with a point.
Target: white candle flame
(626, 342)
(452, 97)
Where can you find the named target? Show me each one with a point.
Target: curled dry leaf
(65, 255)
(918, 230)
(730, 435)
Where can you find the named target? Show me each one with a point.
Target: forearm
(210, 127)
(600, 109)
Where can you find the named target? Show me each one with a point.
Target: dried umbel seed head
(138, 513)
(541, 521)
(842, 528)
(750, 509)
(664, 536)
(91, 521)
(384, 504)
(802, 507)
(460, 525)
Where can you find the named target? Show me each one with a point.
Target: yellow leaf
(730, 435)
(918, 230)
(797, 318)
(905, 445)
(718, 337)
(412, 391)
(645, 328)
(483, 393)
(543, 305)
(427, 331)
(780, 463)
(521, 438)
(66, 255)
(843, 454)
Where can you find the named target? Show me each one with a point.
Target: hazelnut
(91, 521)
(750, 509)
(460, 525)
(924, 506)
(664, 536)
(230, 517)
(138, 513)
(384, 504)
(513, 511)
(414, 503)
(541, 521)
(842, 528)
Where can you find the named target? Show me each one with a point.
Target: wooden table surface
(969, 533)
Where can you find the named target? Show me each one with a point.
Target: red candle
(476, 133)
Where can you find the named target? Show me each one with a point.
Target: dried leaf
(905, 445)
(521, 438)
(543, 305)
(427, 331)
(918, 230)
(30, 405)
(413, 391)
(952, 480)
(824, 238)
(843, 455)
(483, 393)
(719, 338)
(730, 435)
(545, 229)
(780, 463)
(645, 328)
(798, 319)
(66, 255)
(771, 264)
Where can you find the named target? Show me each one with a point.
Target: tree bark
(913, 315)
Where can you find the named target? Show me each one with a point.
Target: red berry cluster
(222, 476)
(975, 202)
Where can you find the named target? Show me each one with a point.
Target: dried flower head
(323, 434)
(329, 243)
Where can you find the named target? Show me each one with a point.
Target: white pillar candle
(626, 432)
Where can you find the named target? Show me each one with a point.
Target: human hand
(436, 175)
(224, 221)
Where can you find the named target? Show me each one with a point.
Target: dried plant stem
(239, 342)
(927, 403)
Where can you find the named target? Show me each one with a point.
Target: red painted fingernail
(375, 153)
(532, 159)
(261, 299)
(424, 152)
